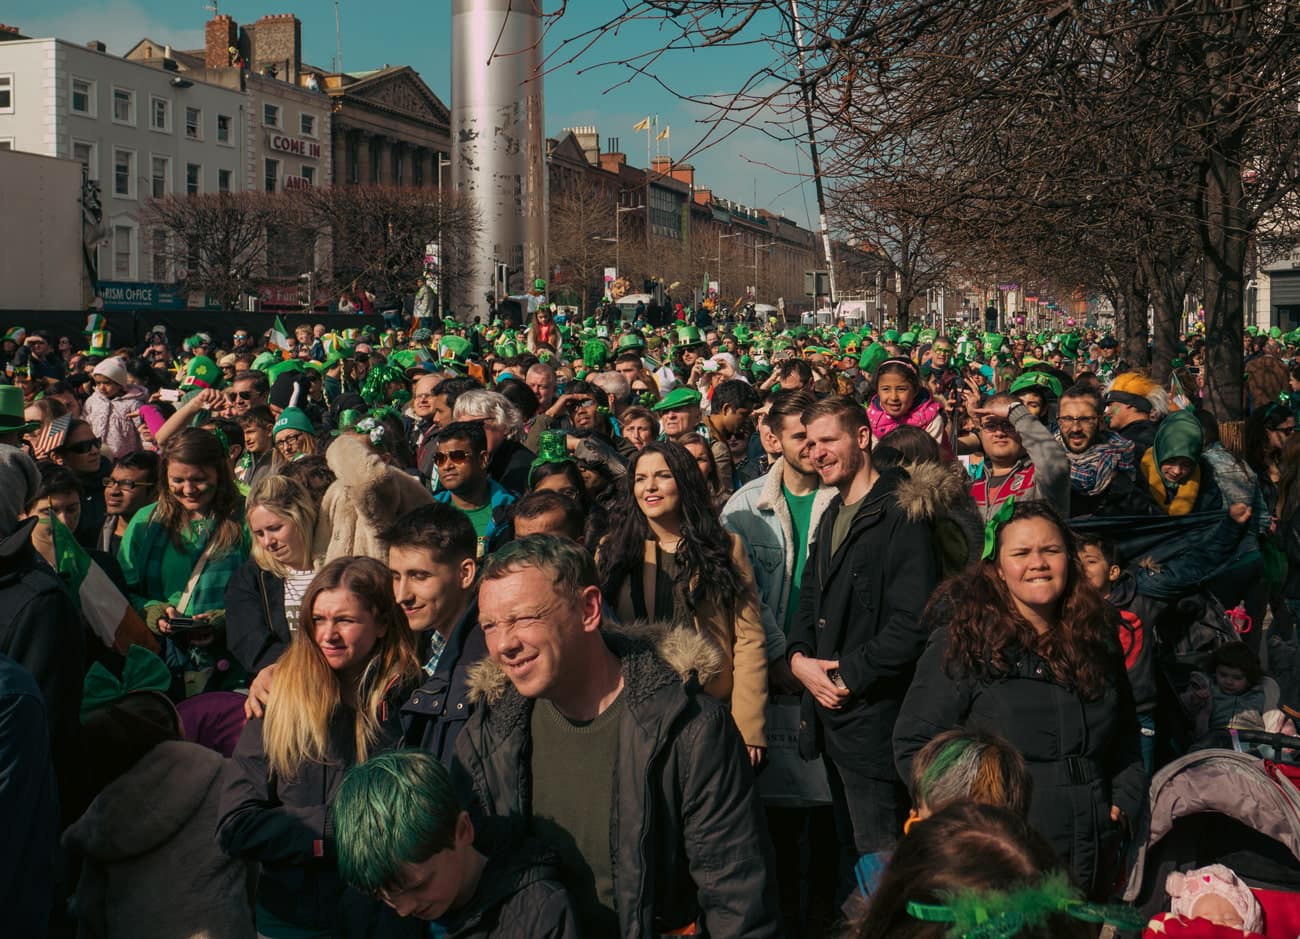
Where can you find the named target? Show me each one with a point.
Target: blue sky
(749, 167)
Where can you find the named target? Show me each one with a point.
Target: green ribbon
(994, 525)
(143, 671)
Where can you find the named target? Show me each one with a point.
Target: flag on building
(642, 125)
(105, 608)
(280, 335)
(663, 134)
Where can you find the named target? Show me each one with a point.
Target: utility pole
(806, 93)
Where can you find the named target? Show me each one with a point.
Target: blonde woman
(338, 688)
(264, 597)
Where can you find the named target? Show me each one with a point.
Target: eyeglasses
(1080, 421)
(79, 448)
(1285, 430)
(289, 440)
(422, 396)
(455, 456)
(239, 395)
(127, 485)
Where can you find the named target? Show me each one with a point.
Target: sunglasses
(455, 456)
(81, 447)
(129, 485)
(239, 395)
(241, 335)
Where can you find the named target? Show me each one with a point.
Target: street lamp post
(618, 211)
(441, 161)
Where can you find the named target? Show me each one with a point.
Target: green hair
(395, 809)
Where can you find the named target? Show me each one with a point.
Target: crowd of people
(581, 628)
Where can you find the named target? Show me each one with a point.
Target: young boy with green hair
(402, 836)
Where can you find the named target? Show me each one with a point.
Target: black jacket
(284, 824)
(519, 896)
(686, 827)
(439, 708)
(41, 629)
(257, 631)
(510, 466)
(1143, 435)
(862, 607)
(1083, 756)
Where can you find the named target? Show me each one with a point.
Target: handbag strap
(193, 582)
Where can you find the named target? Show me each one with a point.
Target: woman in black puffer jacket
(1023, 647)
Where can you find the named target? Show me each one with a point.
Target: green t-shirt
(801, 519)
(571, 813)
(481, 519)
(843, 522)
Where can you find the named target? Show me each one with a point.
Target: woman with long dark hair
(178, 554)
(338, 690)
(1023, 647)
(666, 557)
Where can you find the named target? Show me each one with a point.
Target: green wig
(395, 809)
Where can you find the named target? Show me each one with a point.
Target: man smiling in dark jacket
(857, 636)
(638, 780)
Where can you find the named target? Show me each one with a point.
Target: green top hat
(1037, 380)
(742, 333)
(280, 368)
(202, 372)
(264, 361)
(630, 342)
(688, 336)
(554, 448)
(11, 412)
(594, 354)
(679, 397)
(454, 349)
(891, 335)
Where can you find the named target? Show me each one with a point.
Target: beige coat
(366, 497)
(742, 678)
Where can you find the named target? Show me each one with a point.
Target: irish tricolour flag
(105, 607)
(280, 335)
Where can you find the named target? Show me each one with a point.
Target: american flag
(51, 436)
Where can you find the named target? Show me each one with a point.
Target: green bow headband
(994, 525)
(143, 671)
(1002, 915)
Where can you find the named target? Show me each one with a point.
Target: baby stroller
(1225, 806)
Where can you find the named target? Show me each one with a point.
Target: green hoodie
(1179, 434)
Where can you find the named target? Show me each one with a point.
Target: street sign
(816, 283)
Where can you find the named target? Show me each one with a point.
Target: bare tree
(580, 237)
(215, 243)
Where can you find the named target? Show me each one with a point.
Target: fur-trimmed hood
(933, 490)
(652, 654)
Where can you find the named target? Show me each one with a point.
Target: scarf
(924, 410)
(1181, 500)
(1092, 470)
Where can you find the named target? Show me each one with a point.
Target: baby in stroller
(1235, 695)
(1205, 897)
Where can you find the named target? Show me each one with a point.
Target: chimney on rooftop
(220, 35)
(276, 41)
(97, 45)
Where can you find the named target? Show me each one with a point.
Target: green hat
(1069, 347)
(871, 357)
(17, 334)
(1275, 332)
(539, 284)
(993, 341)
(348, 419)
(594, 354)
(280, 368)
(203, 372)
(891, 335)
(11, 412)
(630, 342)
(907, 339)
(1252, 330)
(507, 349)
(454, 349)
(742, 333)
(679, 397)
(293, 419)
(928, 335)
(689, 336)
(1037, 380)
(264, 361)
(554, 448)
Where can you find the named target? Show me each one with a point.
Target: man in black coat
(857, 636)
(432, 555)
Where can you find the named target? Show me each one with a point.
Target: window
(83, 97)
(272, 174)
(223, 128)
(193, 179)
(7, 95)
(160, 176)
(84, 152)
(123, 106)
(223, 180)
(271, 115)
(160, 114)
(158, 255)
(307, 125)
(123, 251)
(309, 174)
(124, 173)
(193, 123)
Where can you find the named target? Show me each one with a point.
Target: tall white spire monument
(498, 139)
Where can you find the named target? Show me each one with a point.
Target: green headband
(1002, 915)
(143, 671)
(994, 525)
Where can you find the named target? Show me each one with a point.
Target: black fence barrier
(130, 328)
